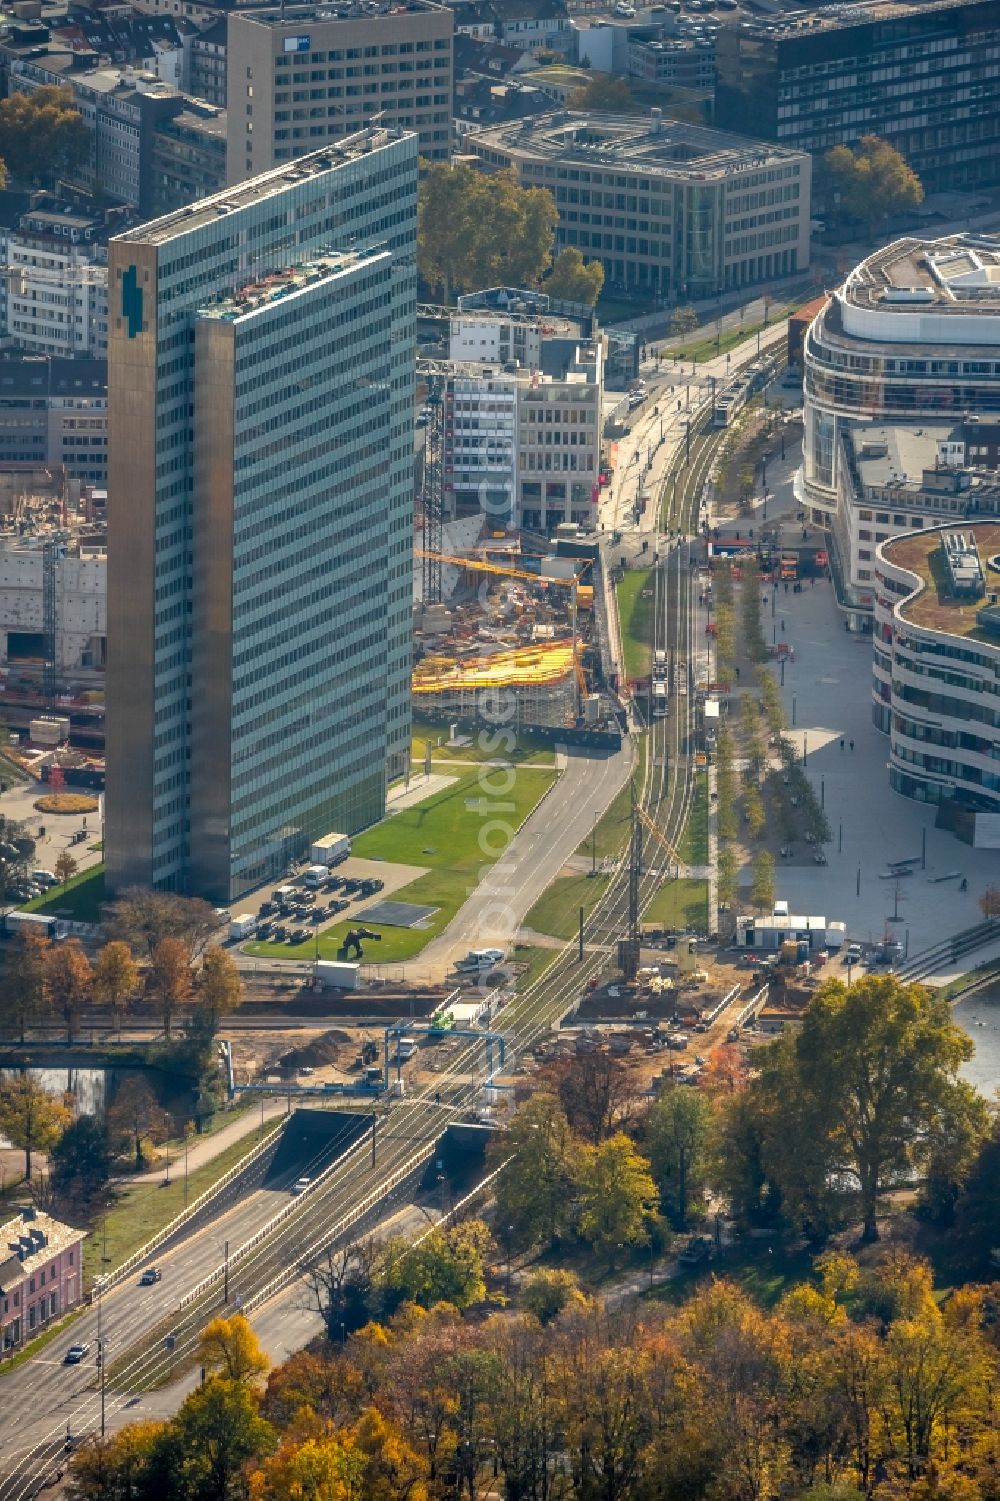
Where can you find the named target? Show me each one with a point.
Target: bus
(659, 700)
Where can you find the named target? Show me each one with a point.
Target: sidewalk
(827, 697)
(205, 1148)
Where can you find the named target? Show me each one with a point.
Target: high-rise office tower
(260, 372)
(299, 75)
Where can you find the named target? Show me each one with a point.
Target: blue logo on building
(132, 302)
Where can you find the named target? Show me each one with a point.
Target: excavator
(352, 940)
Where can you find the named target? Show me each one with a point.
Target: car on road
(300, 1185)
(151, 1275)
(44, 878)
(76, 1353)
(852, 954)
(306, 1069)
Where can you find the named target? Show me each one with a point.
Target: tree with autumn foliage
(43, 137)
(169, 981)
(872, 182)
(68, 980)
(116, 979)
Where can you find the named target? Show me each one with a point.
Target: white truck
(332, 849)
(330, 974)
(315, 876)
(242, 926)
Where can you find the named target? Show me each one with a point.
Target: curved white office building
(914, 333)
(936, 672)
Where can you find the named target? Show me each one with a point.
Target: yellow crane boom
(482, 565)
(658, 834)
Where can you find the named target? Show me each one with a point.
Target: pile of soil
(321, 1050)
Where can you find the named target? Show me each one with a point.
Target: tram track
(405, 1139)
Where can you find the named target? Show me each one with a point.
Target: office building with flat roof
(667, 207)
(936, 674)
(261, 389)
(924, 77)
(903, 478)
(299, 75)
(911, 336)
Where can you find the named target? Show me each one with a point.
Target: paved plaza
(827, 697)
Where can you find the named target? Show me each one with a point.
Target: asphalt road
(45, 1391)
(557, 826)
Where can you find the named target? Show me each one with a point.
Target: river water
(981, 1019)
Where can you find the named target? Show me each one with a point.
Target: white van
(477, 959)
(315, 876)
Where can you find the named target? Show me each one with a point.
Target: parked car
(76, 1353)
(44, 878)
(279, 933)
(318, 914)
(150, 1275)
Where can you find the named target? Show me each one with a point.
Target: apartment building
(261, 389)
(910, 337)
(924, 77)
(300, 75)
(54, 284)
(41, 1274)
(936, 672)
(673, 209)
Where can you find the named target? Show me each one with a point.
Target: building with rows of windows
(261, 390)
(911, 337)
(300, 75)
(936, 675)
(893, 479)
(669, 208)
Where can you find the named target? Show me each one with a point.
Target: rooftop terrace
(957, 274)
(936, 607)
(839, 16)
(273, 286)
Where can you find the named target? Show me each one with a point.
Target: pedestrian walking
(842, 742)
(782, 627)
(852, 744)
(786, 588)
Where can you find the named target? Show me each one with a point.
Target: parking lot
(303, 913)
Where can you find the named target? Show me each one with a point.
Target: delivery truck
(332, 849)
(242, 926)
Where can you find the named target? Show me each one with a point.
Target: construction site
(53, 614)
(498, 619)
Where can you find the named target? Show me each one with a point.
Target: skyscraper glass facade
(261, 405)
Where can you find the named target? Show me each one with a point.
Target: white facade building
(894, 479)
(913, 336)
(522, 421)
(80, 578)
(56, 283)
(936, 672)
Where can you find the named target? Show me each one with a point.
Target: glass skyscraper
(261, 369)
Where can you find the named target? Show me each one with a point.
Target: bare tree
(144, 918)
(339, 1281)
(597, 1091)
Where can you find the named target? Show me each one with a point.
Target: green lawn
(693, 848)
(144, 1208)
(705, 349)
(79, 900)
(763, 1268)
(487, 745)
(680, 904)
(458, 833)
(635, 611)
(557, 910)
(537, 961)
(612, 828)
